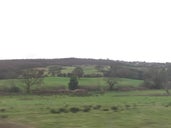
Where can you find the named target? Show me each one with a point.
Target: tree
(78, 72)
(111, 83)
(32, 77)
(73, 84)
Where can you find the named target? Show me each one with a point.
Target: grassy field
(116, 110)
(63, 81)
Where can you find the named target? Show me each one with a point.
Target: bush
(97, 107)
(73, 84)
(3, 116)
(90, 88)
(148, 84)
(2, 109)
(168, 105)
(115, 108)
(62, 110)
(14, 89)
(74, 109)
(54, 111)
(86, 108)
(127, 106)
(105, 109)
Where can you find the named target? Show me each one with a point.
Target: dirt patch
(13, 125)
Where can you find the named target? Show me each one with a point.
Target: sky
(129, 30)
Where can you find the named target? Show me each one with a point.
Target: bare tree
(159, 78)
(32, 77)
(111, 83)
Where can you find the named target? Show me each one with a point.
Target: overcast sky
(130, 30)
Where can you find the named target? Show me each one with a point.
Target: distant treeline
(135, 70)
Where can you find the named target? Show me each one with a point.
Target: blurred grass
(142, 111)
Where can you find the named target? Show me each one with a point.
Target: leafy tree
(78, 72)
(32, 77)
(73, 84)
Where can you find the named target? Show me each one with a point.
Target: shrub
(54, 111)
(90, 87)
(62, 110)
(127, 106)
(2, 109)
(115, 108)
(73, 84)
(86, 108)
(97, 107)
(14, 89)
(148, 84)
(3, 116)
(105, 109)
(168, 105)
(74, 109)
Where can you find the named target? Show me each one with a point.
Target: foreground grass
(133, 110)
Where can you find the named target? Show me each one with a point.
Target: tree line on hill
(13, 68)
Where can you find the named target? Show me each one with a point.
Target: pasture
(138, 109)
(115, 109)
(57, 82)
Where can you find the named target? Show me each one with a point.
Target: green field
(117, 110)
(63, 81)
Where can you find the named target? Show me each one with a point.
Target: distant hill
(12, 68)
